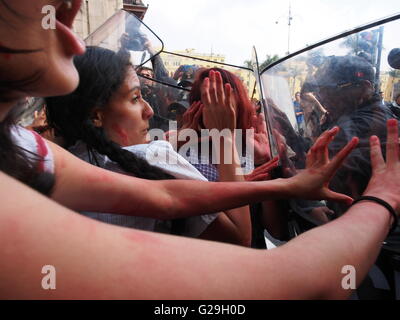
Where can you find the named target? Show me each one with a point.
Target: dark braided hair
(102, 72)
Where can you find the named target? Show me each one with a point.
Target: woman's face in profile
(126, 118)
(28, 25)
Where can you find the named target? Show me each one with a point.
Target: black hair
(102, 72)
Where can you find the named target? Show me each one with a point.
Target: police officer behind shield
(345, 86)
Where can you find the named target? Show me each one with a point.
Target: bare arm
(83, 187)
(232, 226)
(96, 261)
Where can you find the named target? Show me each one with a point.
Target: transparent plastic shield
(124, 32)
(167, 86)
(258, 98)
(346, 82)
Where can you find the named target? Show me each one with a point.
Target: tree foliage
(268, 60)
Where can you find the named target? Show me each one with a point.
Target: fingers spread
(326, 138)
(319, 153)
(219, 85)
(342, 155)
(205, 95)
(213, 90)
(377, 161)
(229, 93)
(338, 197)
(261, 124)
(269, 165)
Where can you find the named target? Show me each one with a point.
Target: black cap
(179, 104)
(394, 58)
(340, 71)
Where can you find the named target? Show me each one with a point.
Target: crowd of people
(116, 223)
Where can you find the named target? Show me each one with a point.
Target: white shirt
(159, 154)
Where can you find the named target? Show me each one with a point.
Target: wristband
(382, 203)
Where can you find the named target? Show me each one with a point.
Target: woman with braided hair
(97, 260)
(105, 122)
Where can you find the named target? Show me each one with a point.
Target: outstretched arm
(233, 226)
(99, 261)
(83, 187)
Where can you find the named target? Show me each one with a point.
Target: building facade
(205, 60)
(94, 13)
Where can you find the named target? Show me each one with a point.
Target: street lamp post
(290, 18)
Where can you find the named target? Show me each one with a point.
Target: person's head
(176, 111)
(36, 60)
(106, 111)
(343, 83)
(147, 73)
(245, 109)
(188, 72)
(108, 98)
(297, 97)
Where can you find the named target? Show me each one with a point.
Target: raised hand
(313, 182)
(192, 116)
(385, 180)
(219, 106)
(261, 142)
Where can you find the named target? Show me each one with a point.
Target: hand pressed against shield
(219, 103)
(385, 181)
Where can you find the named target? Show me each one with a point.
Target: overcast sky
(232, 27)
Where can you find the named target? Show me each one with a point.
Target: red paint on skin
(62, 164)
(96, 175)
(121, 133)
(41, 150)
(140, 236)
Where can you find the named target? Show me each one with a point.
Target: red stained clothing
(35, 147)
